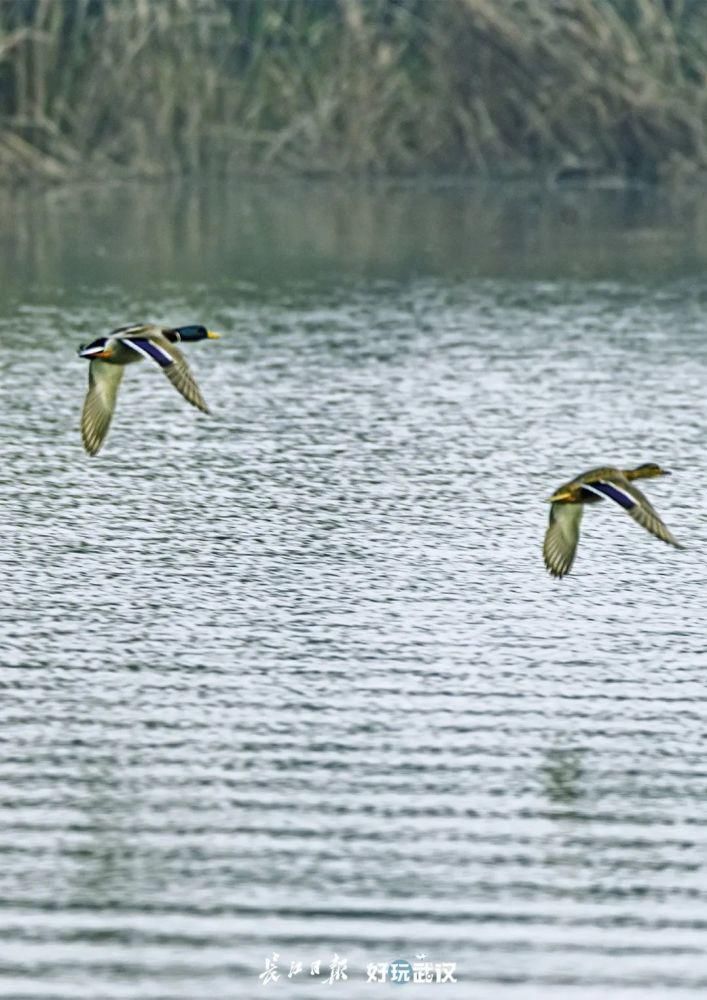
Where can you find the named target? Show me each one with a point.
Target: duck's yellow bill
(212, 335)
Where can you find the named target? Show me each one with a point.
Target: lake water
(293, 679)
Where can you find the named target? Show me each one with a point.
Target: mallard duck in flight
(109, 356)
(568, 502)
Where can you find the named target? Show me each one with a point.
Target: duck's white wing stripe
(135, 346)
(612, 491)
(87, 352)
(149, 349)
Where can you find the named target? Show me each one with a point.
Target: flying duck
(568, 501)
(108, 357)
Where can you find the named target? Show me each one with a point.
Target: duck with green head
(562, 536)
(108, 357)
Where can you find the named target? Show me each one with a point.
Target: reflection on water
(135, 235)
(563, 774)
(293, 678)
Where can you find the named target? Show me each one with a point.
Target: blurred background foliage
(507, 88)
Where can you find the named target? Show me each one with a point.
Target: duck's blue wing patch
(613, 492)
(149, 349)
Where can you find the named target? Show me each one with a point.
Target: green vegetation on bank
(501, 88)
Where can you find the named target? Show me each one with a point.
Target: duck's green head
(646, 471)
(190, 333)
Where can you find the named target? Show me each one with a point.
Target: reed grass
(496, 87)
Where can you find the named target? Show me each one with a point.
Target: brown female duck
(568, 502)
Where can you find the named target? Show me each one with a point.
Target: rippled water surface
(292, 679)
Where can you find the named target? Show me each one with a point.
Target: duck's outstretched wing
(182, 379)
(103, 383)
(172, 362)
(636, 504)
(562, 537)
